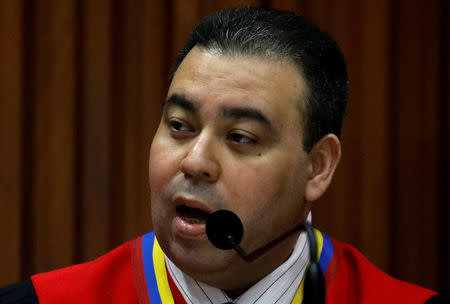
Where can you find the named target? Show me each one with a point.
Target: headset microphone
(314, 288)
(225, 231)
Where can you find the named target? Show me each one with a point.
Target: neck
(240, 275)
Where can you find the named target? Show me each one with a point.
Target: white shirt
(279, 286)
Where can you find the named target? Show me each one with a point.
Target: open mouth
(192, 215)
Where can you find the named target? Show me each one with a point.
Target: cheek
(155, 169)
(162, 166)
(162, 169)
(255, 188)
(265, 195)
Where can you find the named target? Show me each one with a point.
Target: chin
(199, 257)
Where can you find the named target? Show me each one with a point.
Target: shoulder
(351, 275)
(108, 279)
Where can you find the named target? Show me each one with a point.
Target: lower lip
(189, 230)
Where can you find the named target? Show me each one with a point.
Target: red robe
(135, 273)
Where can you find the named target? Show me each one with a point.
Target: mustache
(204, 192)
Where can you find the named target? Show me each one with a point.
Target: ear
(323, 160)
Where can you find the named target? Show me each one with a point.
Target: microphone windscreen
(221, 225)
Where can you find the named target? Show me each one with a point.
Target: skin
(216, 155)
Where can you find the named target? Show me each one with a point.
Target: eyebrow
(180, 101)
(246, 113)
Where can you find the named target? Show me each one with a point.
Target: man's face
(230, 138)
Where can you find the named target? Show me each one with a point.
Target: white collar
(279, 286)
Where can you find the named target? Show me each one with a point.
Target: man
(251, 124)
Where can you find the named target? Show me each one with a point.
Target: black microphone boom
(225, 231)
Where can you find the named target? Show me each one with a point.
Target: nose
(200, 162)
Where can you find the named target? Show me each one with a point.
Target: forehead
(273, 86)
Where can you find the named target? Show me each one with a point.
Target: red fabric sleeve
(356, 280)
(108, 279)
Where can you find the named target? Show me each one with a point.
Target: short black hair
(283, 35)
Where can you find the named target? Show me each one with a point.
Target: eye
(179, 126)
(240, 138)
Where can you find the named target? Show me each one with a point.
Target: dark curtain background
(81, 88)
